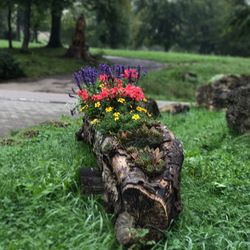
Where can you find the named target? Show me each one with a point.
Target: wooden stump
(142, 196)
(215, 94)
(78, 48)
(238, 112)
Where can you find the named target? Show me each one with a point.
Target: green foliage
(237, 31)
(109, 125)
(41, 206)
(170, 83)
(9, 67)
(112, 17)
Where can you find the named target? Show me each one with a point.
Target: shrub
(9, 67)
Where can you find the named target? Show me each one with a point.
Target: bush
(9, 67)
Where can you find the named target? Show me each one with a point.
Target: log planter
(139, 175)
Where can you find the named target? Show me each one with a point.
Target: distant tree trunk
(35, 34)
(9, 26)
(26, 31)
(55, 33)
(18, 24)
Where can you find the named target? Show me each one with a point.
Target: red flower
(103, 78)
(130, 74)
(118, 82)
(133, 92)
(83, 94)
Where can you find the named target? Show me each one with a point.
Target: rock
(175, 107)
(215, 94)
(238, 112)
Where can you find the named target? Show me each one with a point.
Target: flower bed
(140, 159)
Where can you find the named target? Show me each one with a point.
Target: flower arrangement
(111, 98)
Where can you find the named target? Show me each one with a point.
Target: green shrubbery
(9, 67)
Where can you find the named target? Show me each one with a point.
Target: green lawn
(170, 82)
(41, 207)
(41, 61)
(16, 44)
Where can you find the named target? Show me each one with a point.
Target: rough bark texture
(139, 197)
(175, 108)
(9, 26)
(215, 95)
(238, 112)
(78, 47)
(152, 107)
(55, 32)
(26, 27)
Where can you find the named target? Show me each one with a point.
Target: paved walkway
(23, 104)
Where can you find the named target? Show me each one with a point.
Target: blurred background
(201, 26)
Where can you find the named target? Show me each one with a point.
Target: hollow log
(142, 198)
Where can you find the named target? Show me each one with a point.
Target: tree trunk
(55, 32)
(78, 47)
(144, 198)
(35, 34)
(18, 24)
(27, 16)
(9, 26)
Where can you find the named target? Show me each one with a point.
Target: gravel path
(26, 103)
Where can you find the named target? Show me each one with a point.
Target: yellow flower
(116, 116)
(149, 115)
(101, 85)
(84, 107)
(121, 100)
(140, 109)
(135, 117)
(108, 109)
(97, 104)
(94, 121)
(145, 100)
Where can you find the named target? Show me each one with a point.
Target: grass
(170, 83)
(41, 62)
(41, 206)
(17, 44)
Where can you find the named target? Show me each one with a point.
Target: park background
(40, 203)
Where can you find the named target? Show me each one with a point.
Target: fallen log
(141, 179)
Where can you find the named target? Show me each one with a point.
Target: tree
(9, 5)
(111, 24)
(236, 36)
(26, 24)
(56, 8)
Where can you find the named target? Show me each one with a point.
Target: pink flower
(83, 94)
(131, 74)
(103, 78)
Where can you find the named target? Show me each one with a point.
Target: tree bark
(78, 47)
(26, 32)
(9, 26)
(18, 24)
(55, 32)
(141, 199)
